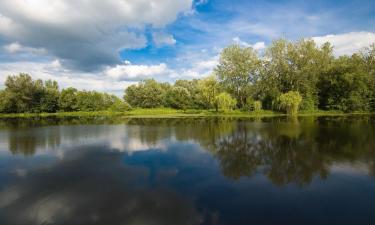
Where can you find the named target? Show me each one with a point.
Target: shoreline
(170, 113)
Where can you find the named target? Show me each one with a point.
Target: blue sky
(108, 45)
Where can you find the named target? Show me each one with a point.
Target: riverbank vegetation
(286, 77)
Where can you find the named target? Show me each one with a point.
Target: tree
(25, 93)
(238, 71)
(49, 101)
(225, 102)
(178, 97)
(146, 94)
(347, 86)
(68, 100)
(296, 67)
(209, 89)
(289, 102)
(192, 86)
(7, 104)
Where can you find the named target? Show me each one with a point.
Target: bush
(120, 106)
(252, 105)
(257, 105)
(289, 102)
(225, 102)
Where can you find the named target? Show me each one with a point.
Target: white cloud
(129, 72)
(161, 38)
(85, 34)
(257, 46)
(347, 43)
(15, 47)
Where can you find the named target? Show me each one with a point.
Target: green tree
(25, 93)
(295, 67)
(178, 97)
(49, 101)
(290, 102)
(347, 86)
(238, 71)
(192, 86)
(146, 94)
(225, 102)
(209, 89)
(68, 100)
(7, 103)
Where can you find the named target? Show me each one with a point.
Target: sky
(109, 45)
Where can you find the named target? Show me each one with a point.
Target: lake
(227, 171)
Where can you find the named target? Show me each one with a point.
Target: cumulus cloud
(85, 34)
(129, 72)
(15, 47)
(257, 46)
(161, 38)
(347, 43)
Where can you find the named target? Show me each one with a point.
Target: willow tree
(225, 102)
(290, 102)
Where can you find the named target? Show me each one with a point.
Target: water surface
(310, 170)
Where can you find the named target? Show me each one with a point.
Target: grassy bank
(168, 112)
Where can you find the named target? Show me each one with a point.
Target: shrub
(225, 102)
(252, 105)
(289, 102)
(257, 106)
(120, 106)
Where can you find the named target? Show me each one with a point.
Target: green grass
(168, 112)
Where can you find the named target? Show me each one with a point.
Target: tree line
(288, 76)
(22, 94)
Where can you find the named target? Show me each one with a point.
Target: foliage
(120, 106)
(178, 97)
(238, 71)
(225, 102)
(252, 105)
(324, 82)
(68, 100)
(209, 88)
(289, 102)
(146, 94)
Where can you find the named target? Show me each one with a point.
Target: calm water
(187, 171)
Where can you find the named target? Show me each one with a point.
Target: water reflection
(284, 150)
(187, 171)
(93, 186)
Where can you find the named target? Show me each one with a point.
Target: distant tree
(347, 86)
(237, 71)
(296, 66)
(192, 86)
(49, 101)
(25, 93)
(290, 102)
(68, 100)
(209, 89)
(178, 97)
(7, 103)
(146, 94)
(225, 102)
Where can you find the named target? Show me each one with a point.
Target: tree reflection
(286, 150)
(293, 152)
